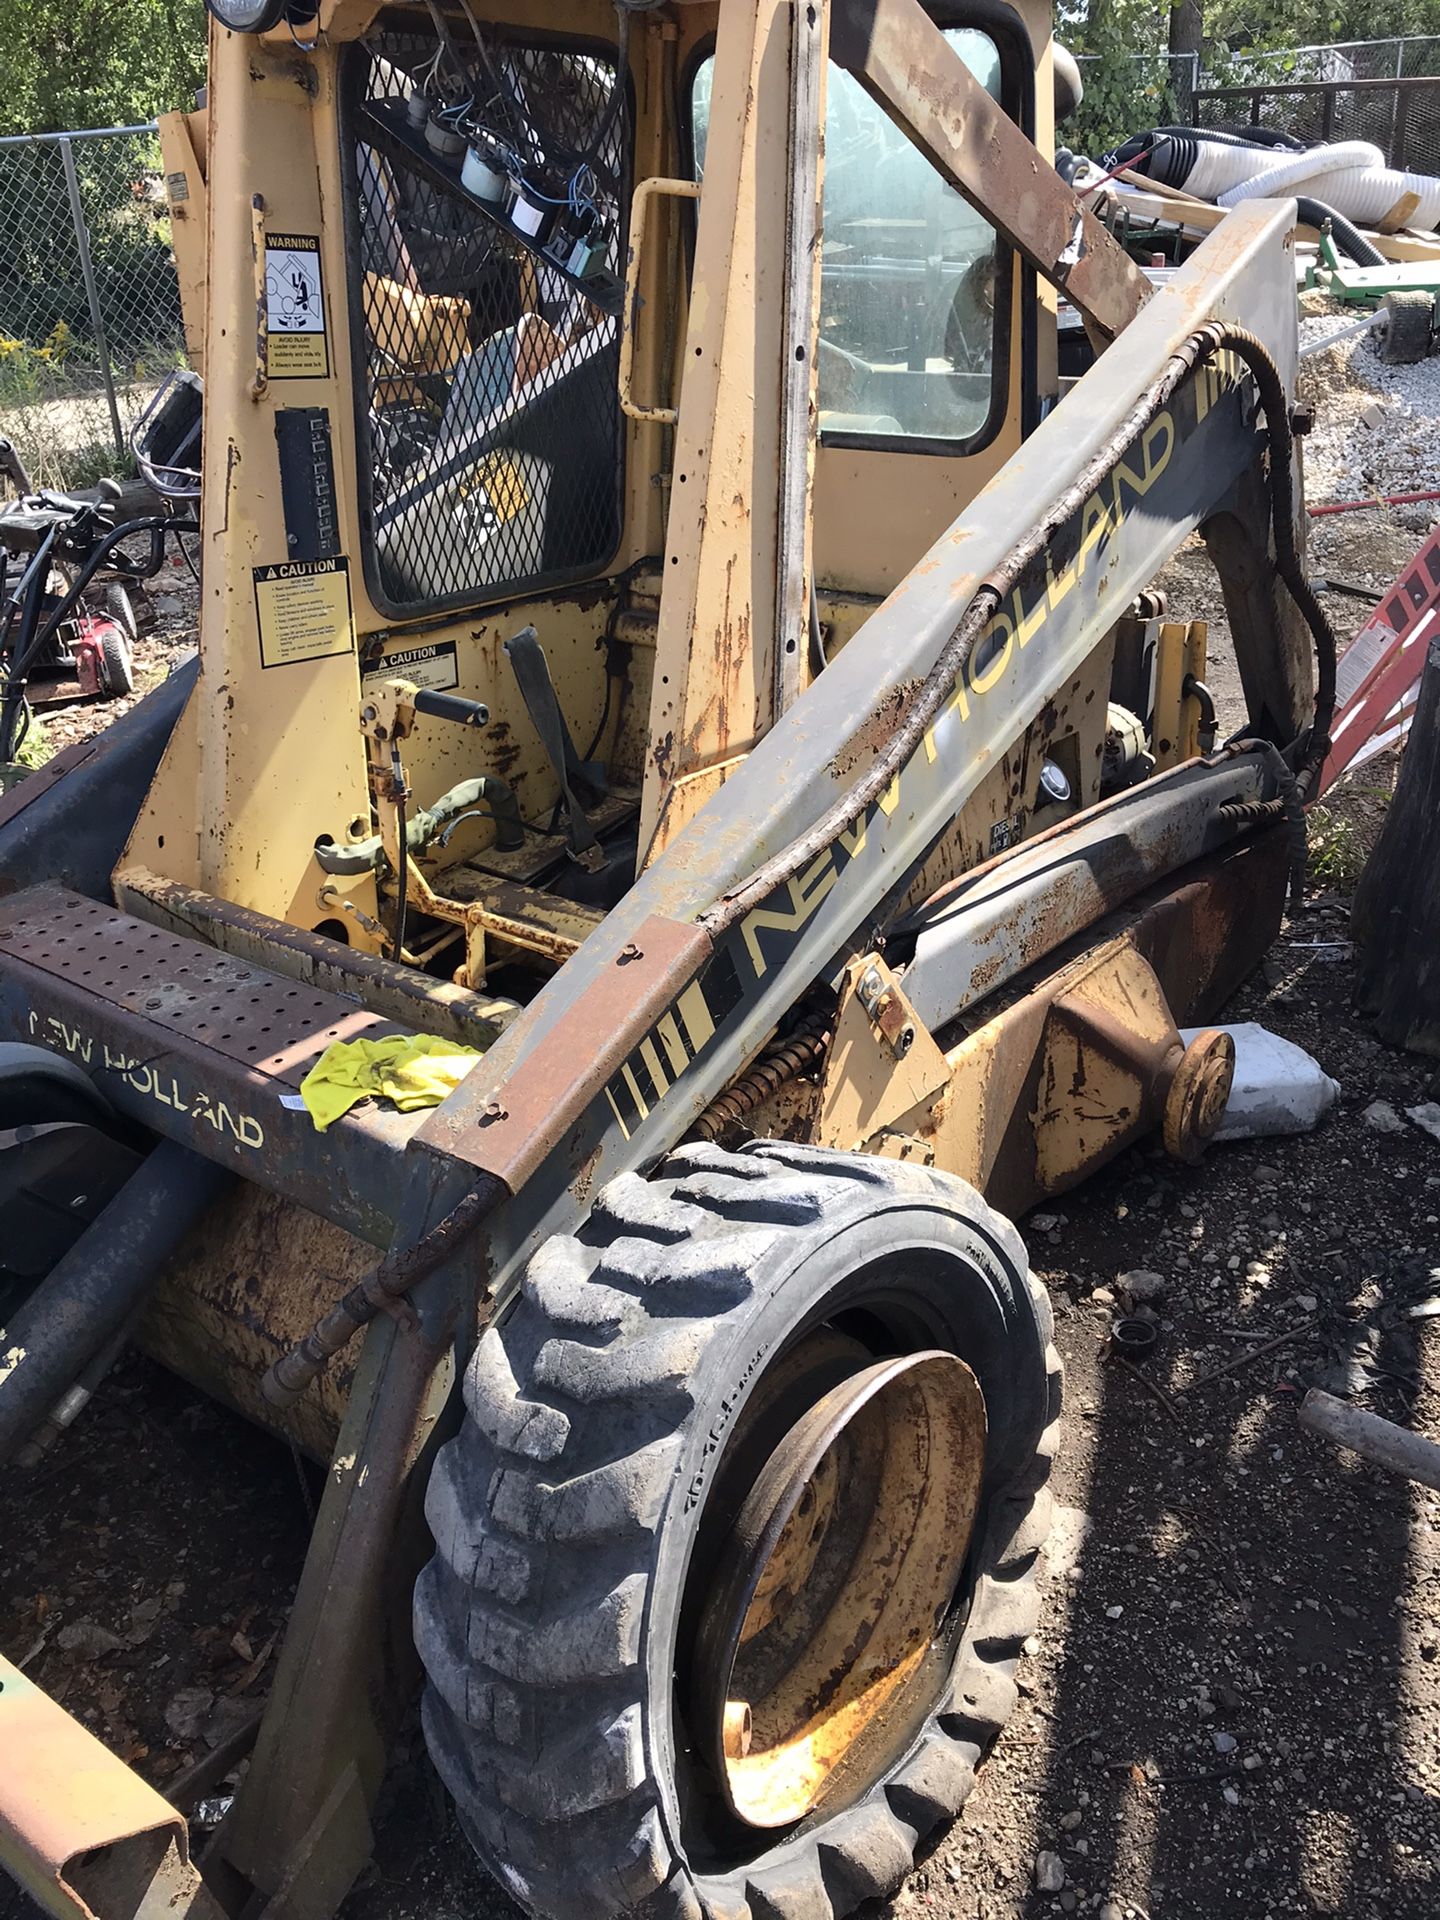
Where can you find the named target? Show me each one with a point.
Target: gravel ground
(1233, 1703)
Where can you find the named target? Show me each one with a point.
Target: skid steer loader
(663, 630)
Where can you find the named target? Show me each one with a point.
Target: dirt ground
(1233, 1702)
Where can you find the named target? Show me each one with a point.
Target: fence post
(1400, 129)
(97, 325)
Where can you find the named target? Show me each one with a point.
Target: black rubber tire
(1406, 328)
(119, 663)
(121, 609)
(565, 1512)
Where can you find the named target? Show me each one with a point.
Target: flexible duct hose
(1171, 160)
(1170, 154)
(1349, 178)
(1363, 192)
(1351, 242)
(1318, 163)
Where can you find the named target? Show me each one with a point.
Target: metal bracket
(882, 1063)
(890, 1012)
(80, 1831)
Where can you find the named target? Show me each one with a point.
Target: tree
(1187, 26)
(87, 63)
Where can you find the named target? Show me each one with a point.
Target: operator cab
(506, 379)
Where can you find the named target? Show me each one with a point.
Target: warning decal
(294, 308)
(434, 666)
(303, 611)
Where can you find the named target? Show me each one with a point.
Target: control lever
(451, 706)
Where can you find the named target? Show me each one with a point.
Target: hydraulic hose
(1287, 805)
(365, 856)
(382, 1290)
(1309, 749)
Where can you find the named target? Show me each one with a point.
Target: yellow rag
(412, 1069)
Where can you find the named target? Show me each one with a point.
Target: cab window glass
(909, 319)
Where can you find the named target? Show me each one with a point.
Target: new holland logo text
(769, 932)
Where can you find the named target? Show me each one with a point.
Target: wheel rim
(844, 1557)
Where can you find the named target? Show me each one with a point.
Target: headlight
(249, 16)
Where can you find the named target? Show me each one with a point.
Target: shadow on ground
(1233, 1707)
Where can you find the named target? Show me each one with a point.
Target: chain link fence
(89, 301)
(1399, 59)
(1384, 91)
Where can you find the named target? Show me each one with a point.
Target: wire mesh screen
(1401, 119)
(490, 325)
(89, 303)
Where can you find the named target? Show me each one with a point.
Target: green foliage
(41, 283)
(37, 748)
(1341, 834)
(1234, 27)
(1127, 78)
(1335, 849)
(34, 753)
(97, 63)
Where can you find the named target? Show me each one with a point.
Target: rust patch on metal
(1198, 935)
(78, 1829)
(531, 1111)
(846, 1553)
(875, 733)
(243, 1289)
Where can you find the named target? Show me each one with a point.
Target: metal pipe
(396, 992)
(1379, 1441)
(75, 1399)
(1380, 500)
(87, 270)
(91, 1291)
(381, 1291)
(1333, 339)
(80, 133)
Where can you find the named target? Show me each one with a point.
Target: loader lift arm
(1113, 481)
